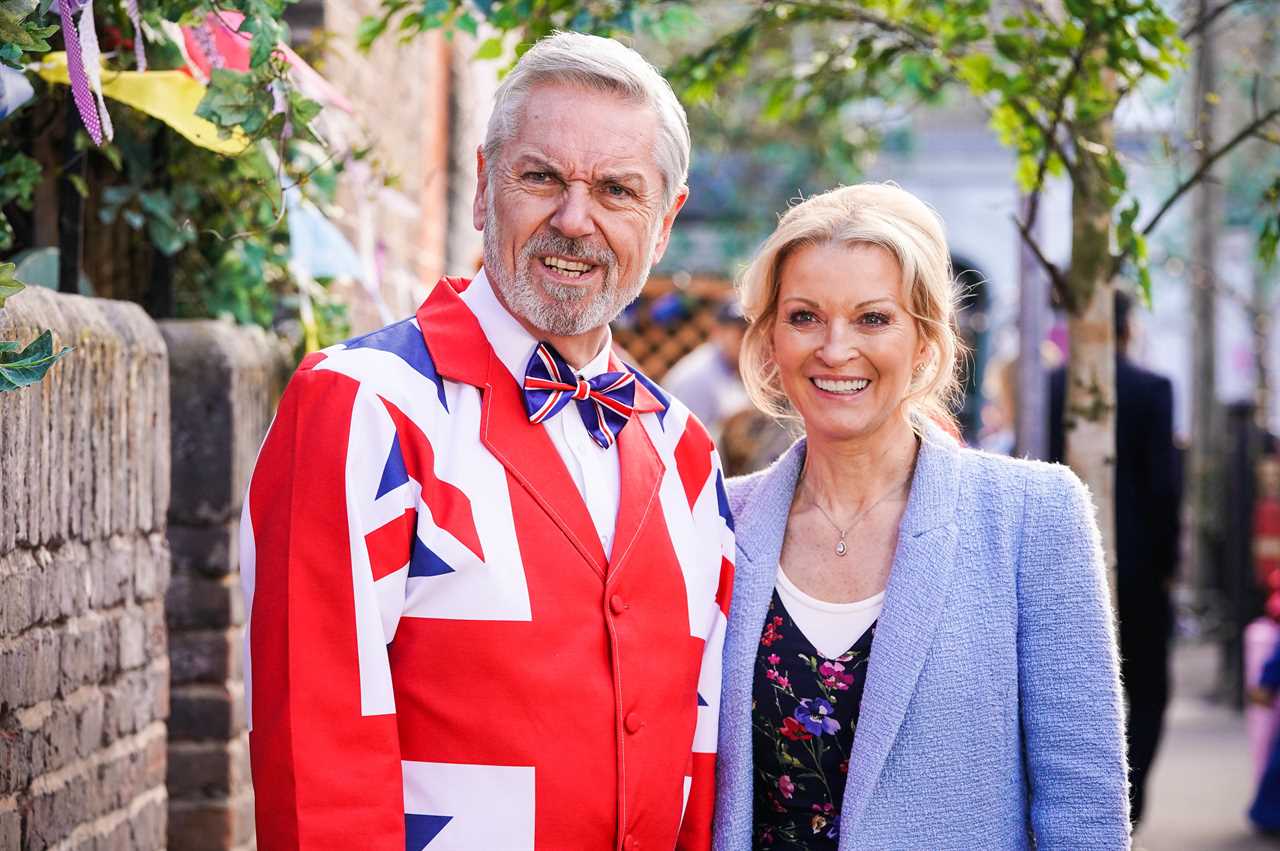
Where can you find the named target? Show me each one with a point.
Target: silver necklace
(841, 547)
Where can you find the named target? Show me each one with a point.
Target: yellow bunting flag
(171, 96)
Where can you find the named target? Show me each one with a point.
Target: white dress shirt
(593, 469)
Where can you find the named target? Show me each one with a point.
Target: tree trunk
(1089, 410)
(1262, 323)
(1202, 484)
(1032, 414)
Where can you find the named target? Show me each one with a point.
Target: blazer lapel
(461, 352)
(640, 470)
(913, 606)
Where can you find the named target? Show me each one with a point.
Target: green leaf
(9, 285)
(490, 48)
(467, 23)
(368, 31)
(82, 188)
(1027, 169)
(975, 69)
(25, 368)
(260, 48)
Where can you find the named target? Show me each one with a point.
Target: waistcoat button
(633, 722)
(617, 605)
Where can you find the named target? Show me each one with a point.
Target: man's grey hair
(603, 65)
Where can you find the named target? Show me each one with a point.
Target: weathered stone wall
(84, 672)
(224, 382)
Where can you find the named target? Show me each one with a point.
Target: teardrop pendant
(841, 549)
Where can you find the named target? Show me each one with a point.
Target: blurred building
(421, 108)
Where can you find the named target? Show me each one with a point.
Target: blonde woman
(920, 651)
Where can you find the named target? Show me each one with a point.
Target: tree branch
(1208, 163)
(1077, 63)
(1050, 139)
(857, 14)
(1056, 277)
(1202, 23)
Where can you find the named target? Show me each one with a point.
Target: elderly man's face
(572, 213)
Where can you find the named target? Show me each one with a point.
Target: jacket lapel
(640, 470)
(913, 607)
(462, 353)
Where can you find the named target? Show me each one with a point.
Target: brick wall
(225, 381)
(84, 672)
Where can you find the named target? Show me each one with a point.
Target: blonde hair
(880, 214)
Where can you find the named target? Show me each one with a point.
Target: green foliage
(22, 30)
(1269, 235)
(219, 219)
(19, 177)
(9, 285)
(22, 368)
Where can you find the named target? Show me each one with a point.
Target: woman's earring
(918, 369)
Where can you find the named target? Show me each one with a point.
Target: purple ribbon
(75, 70)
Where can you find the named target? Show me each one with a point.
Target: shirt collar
(511, 342)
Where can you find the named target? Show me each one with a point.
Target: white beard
(558, 310)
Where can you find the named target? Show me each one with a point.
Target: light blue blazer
(992, 715)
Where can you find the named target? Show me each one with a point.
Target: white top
(832, 628)
(593, 469)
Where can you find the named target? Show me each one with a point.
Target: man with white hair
(487, 564)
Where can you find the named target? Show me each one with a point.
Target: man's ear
(664, 234)
(482, 186)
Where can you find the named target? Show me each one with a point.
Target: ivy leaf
(233, 99)
(9, 285)
(24, 368)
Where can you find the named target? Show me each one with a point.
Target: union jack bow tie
(605, 402)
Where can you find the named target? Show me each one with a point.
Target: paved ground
(1203, 777)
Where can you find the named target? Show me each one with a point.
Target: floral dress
(804, 711)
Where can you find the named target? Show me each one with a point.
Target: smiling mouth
(567, 268)
(841, 387)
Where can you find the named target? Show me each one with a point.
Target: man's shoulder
(378, 356)
(392, 362)
(1143, 375)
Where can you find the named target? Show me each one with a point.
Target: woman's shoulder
(1026, 474)
(1036, 492)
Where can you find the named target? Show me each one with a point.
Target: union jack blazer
(439, 652)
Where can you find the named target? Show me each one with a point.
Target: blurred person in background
(1000, 413)
(920, 650)
(1148, 493)
(707, 379)
(1265, 811)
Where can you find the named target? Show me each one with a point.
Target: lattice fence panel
(654, 346)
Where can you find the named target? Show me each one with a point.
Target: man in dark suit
(1147, 499)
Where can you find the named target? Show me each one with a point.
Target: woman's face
(843, 340)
